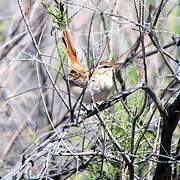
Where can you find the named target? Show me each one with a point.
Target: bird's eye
(105, 66)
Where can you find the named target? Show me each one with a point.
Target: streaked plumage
(98, 82)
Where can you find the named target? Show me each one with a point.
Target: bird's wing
(78, 79)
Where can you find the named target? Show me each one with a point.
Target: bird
(96, 83)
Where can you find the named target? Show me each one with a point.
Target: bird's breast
(98, 88)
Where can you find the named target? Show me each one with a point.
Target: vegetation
(133, 134)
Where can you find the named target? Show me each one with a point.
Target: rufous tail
(70, 51)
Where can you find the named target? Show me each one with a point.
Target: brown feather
(78, 79)
(70, 51)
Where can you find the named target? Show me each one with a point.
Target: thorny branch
(60, 144)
